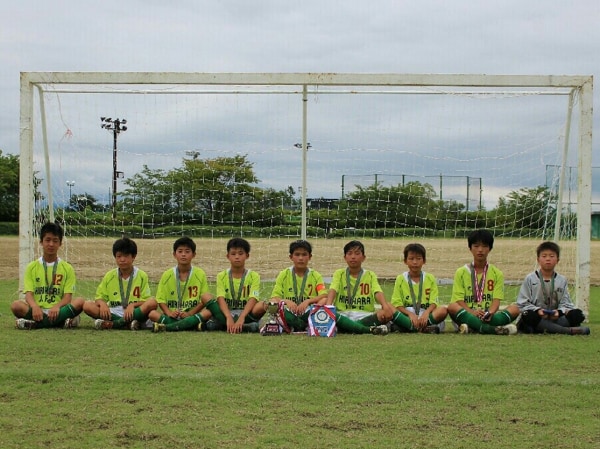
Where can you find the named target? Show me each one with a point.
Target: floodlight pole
(116, 126)
(70, 184)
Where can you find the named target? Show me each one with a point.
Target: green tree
(376, 206)
(216, 191)
(9, 187)
(533, 208)
(81, 202)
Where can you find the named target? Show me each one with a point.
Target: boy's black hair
(184, 241)
(300, 244)
(52, 228)
(354, 244)
(238, 242)
(125, 246)
(481, 236)
(548, 246)
(415, 248)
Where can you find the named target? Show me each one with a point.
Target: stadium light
(115, 126)
(70, 184)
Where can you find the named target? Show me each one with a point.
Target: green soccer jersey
(236, 295)
(355, 294)
(117, 292)
(421, 296)
(182, 295)
(489, 284)
(49, 282)
(289, 286)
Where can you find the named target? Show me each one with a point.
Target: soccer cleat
(71, 322)
(509, 329)
(134, 325)
(431, 330)
(159, 327)
(22, 323)
(463, 328)
(250, 327)
(210, 325)
(395, 328)
(382, 329)
(582, 330)
(103, 324)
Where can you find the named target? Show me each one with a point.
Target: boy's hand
(53, 313)
(292, 306)
(104, 312)
(422, 321)
(234, 327)
(301, 308)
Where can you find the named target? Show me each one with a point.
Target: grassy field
(83, 388)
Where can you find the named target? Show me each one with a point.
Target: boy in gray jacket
(544, 299)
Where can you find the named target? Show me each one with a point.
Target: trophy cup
(270, 322)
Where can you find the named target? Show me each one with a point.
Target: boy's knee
(453, 309)
(19, 307)
(78, 304)
(575, 317)
(531, 318)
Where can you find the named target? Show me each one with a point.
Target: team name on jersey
(357, 303)
(185, 305)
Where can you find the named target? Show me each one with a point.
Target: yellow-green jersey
(236, 295)
(421, 296)
(49, 282)
(288, 285)
(355, 294)
(182, 295)
(117, 292)
(489, 285)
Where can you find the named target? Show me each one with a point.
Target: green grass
(89, 389)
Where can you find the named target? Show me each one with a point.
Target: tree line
(223, 191)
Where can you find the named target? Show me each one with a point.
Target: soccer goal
(385, 158)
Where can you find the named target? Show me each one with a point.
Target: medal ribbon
(299, 296)
(180, 291)
(353, 295)
(125, 298)
(478, 287)
(416, 301)
(50, 285)
(232, 288)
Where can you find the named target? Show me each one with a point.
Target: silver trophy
(270, 322)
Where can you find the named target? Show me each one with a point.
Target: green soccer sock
(464, 317)
(501, 318)
(402, 321)
(119, 323)
(190, 322)
(215, 310)
(296, 323)
(345, 324)
(139, 315)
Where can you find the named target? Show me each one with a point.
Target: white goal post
(303, 85)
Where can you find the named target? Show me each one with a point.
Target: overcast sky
(489, 37)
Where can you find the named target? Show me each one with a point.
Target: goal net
(386, 159)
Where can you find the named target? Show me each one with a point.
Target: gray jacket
(534, 296)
